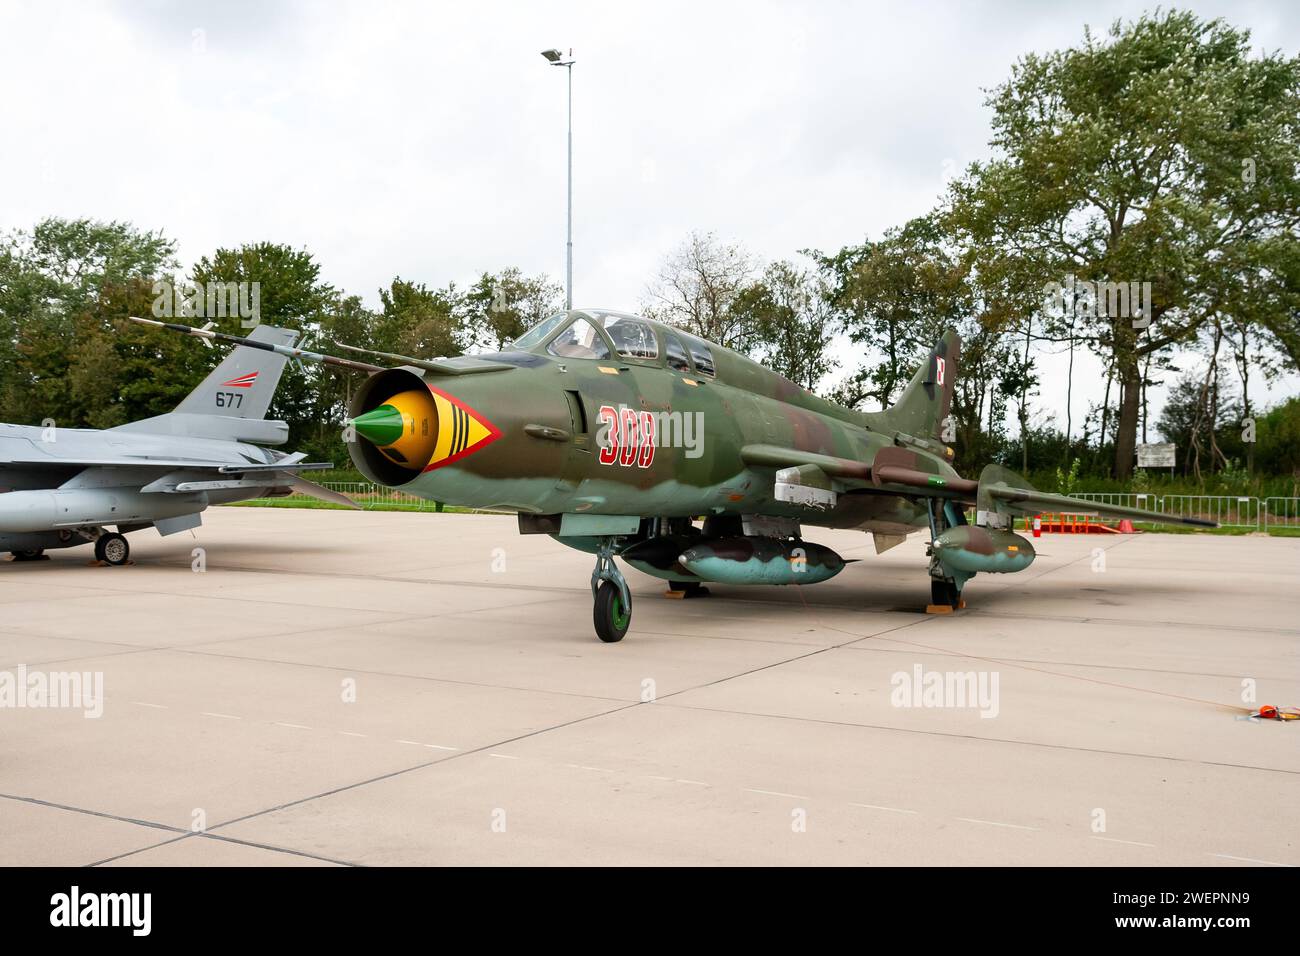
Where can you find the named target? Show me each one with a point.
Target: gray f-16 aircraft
(63, 487)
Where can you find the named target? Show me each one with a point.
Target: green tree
(792, 326)
(697, 288)
(61, 286)
(422, 322)
(500, 308)
(898, 296)
(346, 320)
(1197, 416)
(1163, 153)
(1278, 437)
(291, 295)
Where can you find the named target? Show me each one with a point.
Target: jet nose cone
(380, 426)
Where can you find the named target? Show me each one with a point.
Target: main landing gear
(112, 549)
(612, 610)
(945, 591)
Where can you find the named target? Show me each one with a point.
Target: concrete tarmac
(324, 687)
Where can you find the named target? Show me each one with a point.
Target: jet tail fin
(232, 402)
(926, 401)
(243, 385)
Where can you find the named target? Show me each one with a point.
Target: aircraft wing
(776, 456)
(460, 365)
(169, 477)
(225, 477)
(998, 491)
(280, 466)
(1001, 491)
(1022, 501)
(125, 461)
(144, 466)
(213, 477)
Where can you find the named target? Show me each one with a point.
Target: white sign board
(1156, 456)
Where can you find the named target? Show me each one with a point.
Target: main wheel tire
(944, 592)
(609, 615)
(31, 554)
(112, 549)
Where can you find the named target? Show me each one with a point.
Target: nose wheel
(612, 603)
(610, 615)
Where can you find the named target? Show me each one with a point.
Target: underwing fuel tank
(974, 550)
(41, 510)
(753, 560)
(658, 556)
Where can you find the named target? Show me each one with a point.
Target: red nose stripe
(468, 429)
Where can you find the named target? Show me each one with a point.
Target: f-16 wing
(276, 466)
(188, 477)
(232, 476)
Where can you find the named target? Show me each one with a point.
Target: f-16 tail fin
(925, 403)
(243, 385)
(232, 402)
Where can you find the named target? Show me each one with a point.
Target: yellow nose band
(404, 428)
(425, 429)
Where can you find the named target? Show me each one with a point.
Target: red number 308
(629, 437)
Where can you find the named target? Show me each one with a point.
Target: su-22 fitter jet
(573, 426)
(63, 487)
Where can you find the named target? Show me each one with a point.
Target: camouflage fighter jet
(629, 439)
(63, 487)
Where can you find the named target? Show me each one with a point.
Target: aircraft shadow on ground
(1068, 597)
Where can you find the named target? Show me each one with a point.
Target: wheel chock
(675, 595)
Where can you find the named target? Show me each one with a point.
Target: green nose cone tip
(381, 426)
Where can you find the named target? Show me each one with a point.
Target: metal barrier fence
(1122, 499)
(1230, 511)
(1281, 512)
(367, 494)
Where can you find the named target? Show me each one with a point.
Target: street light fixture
(556, 58)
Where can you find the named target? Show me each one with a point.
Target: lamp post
(556, 58)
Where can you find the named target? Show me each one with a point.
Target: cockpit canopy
(602, 334)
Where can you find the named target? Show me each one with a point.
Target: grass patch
(1279, 531)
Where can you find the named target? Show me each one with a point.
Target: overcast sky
(427, 140)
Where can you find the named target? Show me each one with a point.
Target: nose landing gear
(612, 609)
